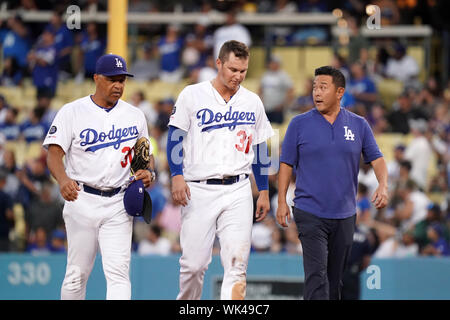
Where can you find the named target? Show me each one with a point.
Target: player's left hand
(145, 176)
(380, 197)
(262, 205)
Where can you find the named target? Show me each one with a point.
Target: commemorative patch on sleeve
(52, 130)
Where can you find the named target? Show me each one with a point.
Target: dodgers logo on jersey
(234, 118)
(115, 137)
(349, 135)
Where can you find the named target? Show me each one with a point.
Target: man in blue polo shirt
(324, 146)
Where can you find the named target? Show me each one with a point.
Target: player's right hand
(180, 190)
(69, 189)
(283, 214)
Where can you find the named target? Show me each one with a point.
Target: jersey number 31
(245, 142)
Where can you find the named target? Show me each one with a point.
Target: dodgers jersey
(220, 134)
(97, 143)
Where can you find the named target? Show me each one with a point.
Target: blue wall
(28, 277)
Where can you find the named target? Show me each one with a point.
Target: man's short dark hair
(239, 49)
(338, 77)
(406, 164)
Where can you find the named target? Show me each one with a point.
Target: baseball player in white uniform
(96, 135)
(221, 125)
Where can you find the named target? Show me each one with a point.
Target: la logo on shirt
(349, 135)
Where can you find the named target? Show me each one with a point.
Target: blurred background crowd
(405, 100)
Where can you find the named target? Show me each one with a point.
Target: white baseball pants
(228, 211)
(94, 222)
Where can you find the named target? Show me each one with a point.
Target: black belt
(227, 180)
(102, 193)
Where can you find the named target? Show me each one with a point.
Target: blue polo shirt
(326, 161)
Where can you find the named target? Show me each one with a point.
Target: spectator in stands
(154, 243)
(363, 205)
(170, 219)
(44, 65)
(32, 176)
(261, 237)
(15, 42)
(377, 119)
(38, 243)
(48, 114)
(399, 118)
(438, 244)
(366, 176)
(146, 68)
(393, 165)
(6, 214)
(138, 100)
(10, 128)
(408, 247)
(412, 208)
(434, 216)
(164, 109)
(276, 91)
(419, 152)
(401, 66)
(12, 73)
(199, 45)
(402, 179)
(282, 35)
(33, 129)
(92, 47)
(429, 98)
(44, 212)
(207, 72)
(12, 181)
(58, 241)
(361, 87)
(170, 47)
(64, 42)
(305, 102)
(232, 30)
(3, 108)
(311, 33)
(340, 63)
(358, 44)
(439, 183)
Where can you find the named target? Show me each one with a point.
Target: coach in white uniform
(96, 135)
(222, 126)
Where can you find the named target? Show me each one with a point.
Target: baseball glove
(141, 156)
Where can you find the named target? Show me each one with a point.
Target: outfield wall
(25, 277)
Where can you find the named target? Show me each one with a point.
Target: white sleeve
(263, 127)
(60, 131)
(180, 117)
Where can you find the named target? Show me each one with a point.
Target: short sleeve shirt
(326, 160)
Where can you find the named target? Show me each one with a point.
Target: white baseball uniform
(218, 144)
(97, 146)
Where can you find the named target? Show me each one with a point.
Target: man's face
(232, 71)
(325, 94)
(110, 88)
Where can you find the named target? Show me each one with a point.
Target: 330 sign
(28, 273)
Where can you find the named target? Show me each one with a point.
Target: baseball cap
(111, 65)
(137, 201)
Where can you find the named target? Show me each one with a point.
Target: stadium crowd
(417, 220)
